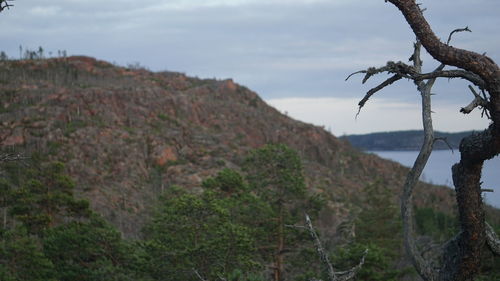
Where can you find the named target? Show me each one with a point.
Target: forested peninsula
(404, 140)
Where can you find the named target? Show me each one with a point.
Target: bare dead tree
(4, 4)
(461, 256)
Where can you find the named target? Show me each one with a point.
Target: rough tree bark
(279, 258)
(461, 255)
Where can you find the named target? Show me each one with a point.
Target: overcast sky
(294, 53)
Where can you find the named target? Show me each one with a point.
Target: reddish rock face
(167, 155)
(13, 140)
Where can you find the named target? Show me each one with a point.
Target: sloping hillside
(127, 134)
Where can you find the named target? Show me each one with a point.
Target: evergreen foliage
(436, 224)
(378, 229)
(199, 234)
(91, 250)
(237, 229)
(22, 259)
(49, 235)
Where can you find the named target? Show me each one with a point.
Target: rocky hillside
(127, 134)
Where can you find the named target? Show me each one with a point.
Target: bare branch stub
(455, 31)
(478, 101)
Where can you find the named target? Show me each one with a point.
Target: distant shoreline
(403, 140)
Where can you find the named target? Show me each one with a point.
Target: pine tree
(275, 174)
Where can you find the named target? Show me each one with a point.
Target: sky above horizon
(295, 54)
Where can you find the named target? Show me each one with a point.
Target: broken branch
(478, 101)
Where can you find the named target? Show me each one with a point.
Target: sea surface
(438, 170)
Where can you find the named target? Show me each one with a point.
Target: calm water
(438, 169)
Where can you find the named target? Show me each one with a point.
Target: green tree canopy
(196, 233)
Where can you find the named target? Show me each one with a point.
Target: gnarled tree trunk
(463, 257)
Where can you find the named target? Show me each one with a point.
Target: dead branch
(455, 31)
(402, 70)
(371, 92)
(332, 274)
(347, 275)
(445, 140)
(321, 252)
(492, 239)
(198, 275)
(478, 101)
(399, 67)
(4, 4)
(456, 73)
(423, 266)
(408, 72)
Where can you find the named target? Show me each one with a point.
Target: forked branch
(414, 72)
